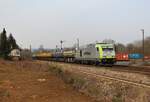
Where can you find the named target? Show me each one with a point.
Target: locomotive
(99, 53)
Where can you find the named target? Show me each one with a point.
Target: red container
(147, 57)
(122, 57)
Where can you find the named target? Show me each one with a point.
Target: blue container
(135, 56)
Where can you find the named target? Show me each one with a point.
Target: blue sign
(135, 56)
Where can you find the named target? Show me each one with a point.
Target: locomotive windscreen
(107, 49)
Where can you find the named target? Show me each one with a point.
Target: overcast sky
(47, 22)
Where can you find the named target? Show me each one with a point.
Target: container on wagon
(147, 57)
(135, 56)
(122, 57)
(69, 53)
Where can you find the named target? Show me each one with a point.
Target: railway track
(110, 77)
(132, 69)
(119, 68)
(115, 79)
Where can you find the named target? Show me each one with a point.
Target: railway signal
(61, 42)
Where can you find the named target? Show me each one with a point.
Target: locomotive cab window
(107, 49)
(97, 49)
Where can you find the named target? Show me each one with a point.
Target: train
(97, 53)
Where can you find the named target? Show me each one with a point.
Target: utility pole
(30, 48)
(56, 48)
(78, 43)
(143, 48)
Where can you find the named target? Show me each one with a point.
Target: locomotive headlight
(104, 56)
